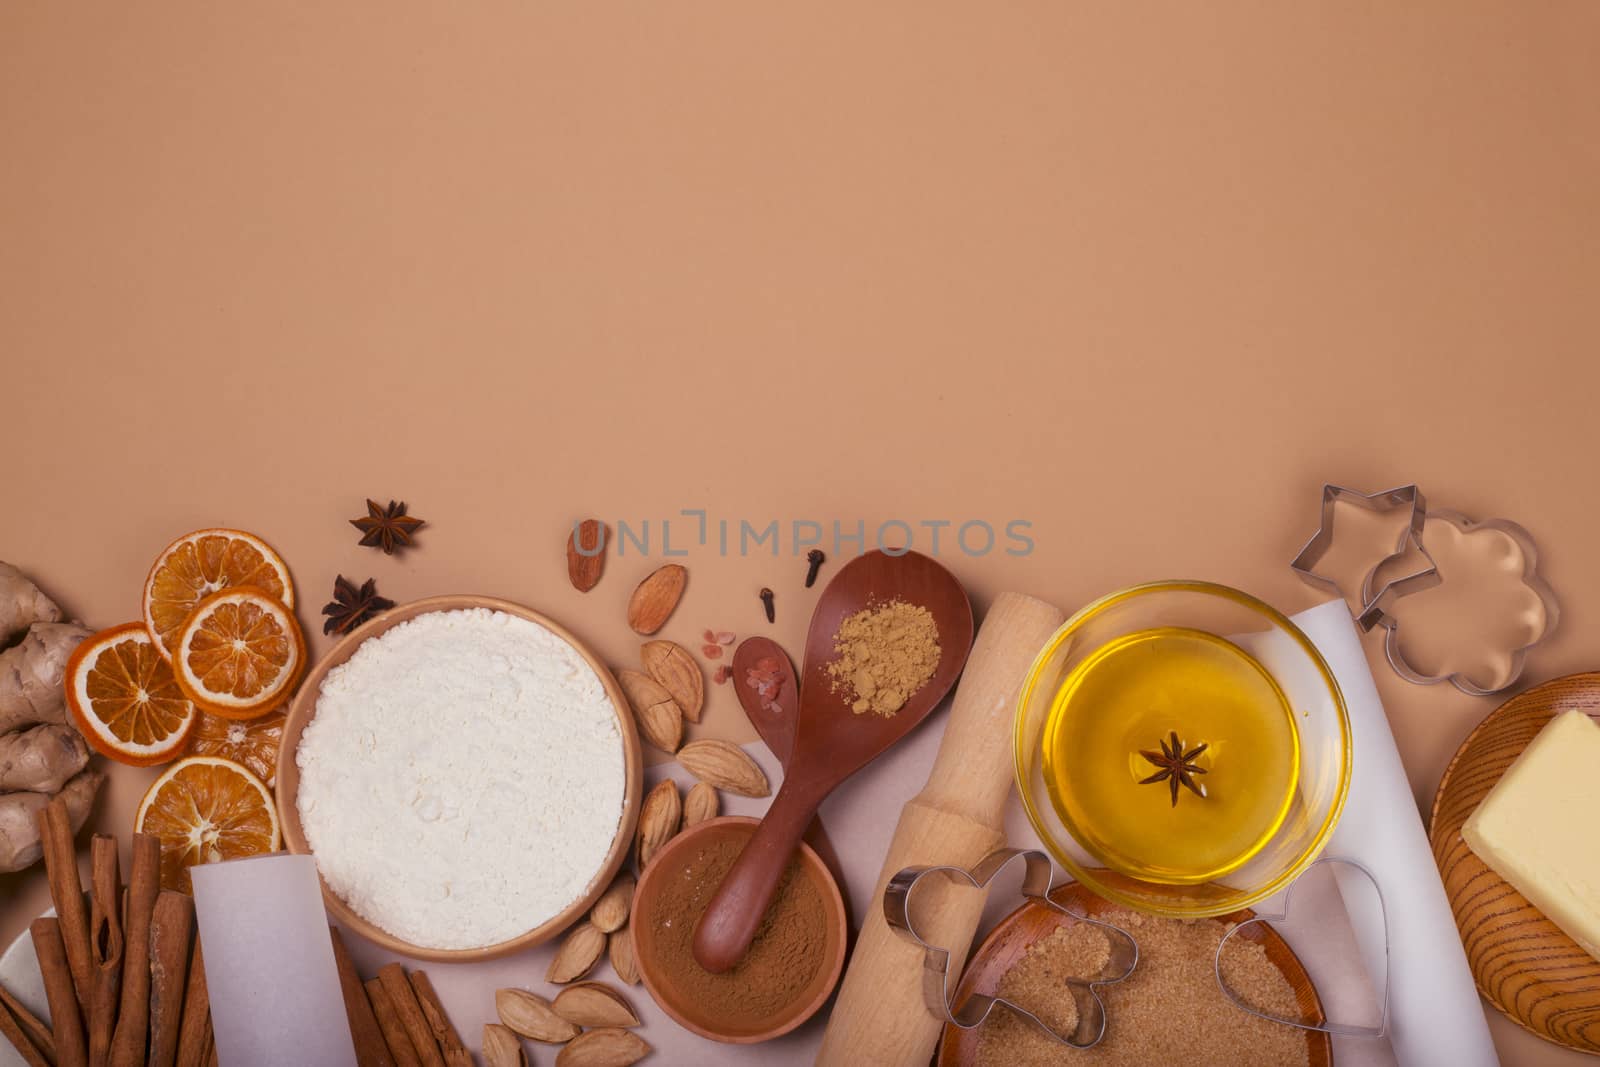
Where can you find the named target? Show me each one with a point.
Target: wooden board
(1521, 961)
(1011, 938)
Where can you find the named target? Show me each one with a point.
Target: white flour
(462, 779)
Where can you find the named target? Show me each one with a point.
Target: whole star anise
(351, 607)
(1177, 767)
(388, 528)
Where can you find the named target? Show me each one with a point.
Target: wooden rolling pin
(958, 818)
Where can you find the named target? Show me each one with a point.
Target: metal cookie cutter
(1340, 1029)
(1374, 605)
(1036, 883)
(1515, 657)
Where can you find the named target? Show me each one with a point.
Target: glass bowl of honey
(1182, 748)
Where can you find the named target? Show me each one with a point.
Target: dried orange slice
(253, 743)
(206, 810)
(200, 563)
(240, 654)
(124, 698)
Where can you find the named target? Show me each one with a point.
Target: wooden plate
(1016, 932)
(304, 707)
(1522, 963)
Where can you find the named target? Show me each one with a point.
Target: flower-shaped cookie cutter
(1037, 877)
(1339, 1029)
(1373, 609)
(1529, 576)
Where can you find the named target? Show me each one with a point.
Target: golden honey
(1128, 698)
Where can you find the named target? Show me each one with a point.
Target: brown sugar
(885, 654)
(1168, 1011)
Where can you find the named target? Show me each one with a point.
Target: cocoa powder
(783, 959)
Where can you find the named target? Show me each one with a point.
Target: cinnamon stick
(394, 1031)
(71, 1046)
(105, 944)
(455, 1053)
(194, 1035)
(170, 926)
(133, 1014)
(404, 999)
(371, 1049)
(66, 892)
(11, 1030)
(28, 1024)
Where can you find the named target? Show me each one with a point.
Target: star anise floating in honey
(388, 528)
(351, 606)
(1177, 767)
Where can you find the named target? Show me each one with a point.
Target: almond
(676, 672)
(653, 709)
(655, 598)
(594, 1004)
(699, 805)
(501, 1047)
(726, 766)
(577, 955)
(531, 1016)
(584, 568)
(606, 1047)
(658, 820)
(610, 912)
(620, 949)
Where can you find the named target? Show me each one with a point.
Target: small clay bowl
(304, 707)
(693, 1016)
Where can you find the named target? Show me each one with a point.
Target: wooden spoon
(831, 741)
(773, 713)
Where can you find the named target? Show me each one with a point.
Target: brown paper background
(1143, 275)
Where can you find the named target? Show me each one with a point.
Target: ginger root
(41, 760)
(19, 828)
(31, 674)
(41, 754)
(21, 604)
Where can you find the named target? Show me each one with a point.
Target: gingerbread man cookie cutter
(1037, 879)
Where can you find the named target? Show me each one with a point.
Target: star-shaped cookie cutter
(1037, 877)
(1373, 609)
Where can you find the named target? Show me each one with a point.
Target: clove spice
(766, 602)
(814, 559)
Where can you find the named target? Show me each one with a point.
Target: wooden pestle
(958, 818)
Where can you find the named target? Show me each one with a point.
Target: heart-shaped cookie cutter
(1338, 1029)
(1037, 879)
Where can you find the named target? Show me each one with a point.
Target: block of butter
(1536, 827)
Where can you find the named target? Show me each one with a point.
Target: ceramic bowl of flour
(466, 774)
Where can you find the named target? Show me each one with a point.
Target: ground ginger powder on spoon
(885, 654)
